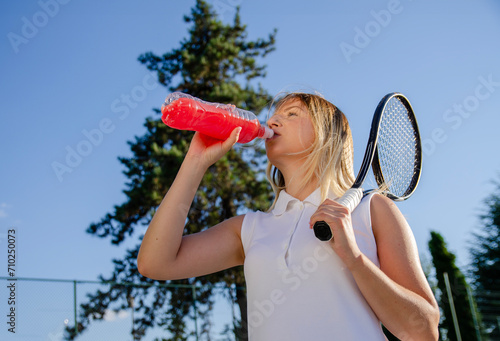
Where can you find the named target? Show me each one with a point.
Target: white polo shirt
(297, 287)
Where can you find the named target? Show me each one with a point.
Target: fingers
(207, 140)
(208, 150)
(331, 212)
(338, 218)
(233, 138)
(226, 145)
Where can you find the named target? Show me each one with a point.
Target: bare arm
(398, 292)
(165, 253)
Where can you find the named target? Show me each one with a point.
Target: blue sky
(70, 81)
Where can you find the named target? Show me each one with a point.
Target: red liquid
(189, 114)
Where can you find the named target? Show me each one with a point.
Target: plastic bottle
(185, 112)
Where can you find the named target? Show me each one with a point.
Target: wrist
(356, 262)
(195, 163)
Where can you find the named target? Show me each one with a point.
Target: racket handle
(351, 199)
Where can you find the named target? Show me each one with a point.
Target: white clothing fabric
(298, 289)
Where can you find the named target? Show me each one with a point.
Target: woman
(300, 288)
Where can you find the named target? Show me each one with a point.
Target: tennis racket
(394, 152)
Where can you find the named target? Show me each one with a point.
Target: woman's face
(293, 133)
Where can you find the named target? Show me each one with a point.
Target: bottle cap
(268, 133)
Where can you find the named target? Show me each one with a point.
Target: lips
(275, 136)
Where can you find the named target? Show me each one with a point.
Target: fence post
(474, 315)
(74, 307)
(498, 322)
(452, 306)
(193, 288)
(233, 299)
(131, 304)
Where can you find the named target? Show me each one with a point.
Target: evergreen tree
(485, 267)
(444, 262)
(218, 64)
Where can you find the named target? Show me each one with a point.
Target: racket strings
(397, 148)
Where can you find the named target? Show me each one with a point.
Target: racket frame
(321, 229)
(377, 171)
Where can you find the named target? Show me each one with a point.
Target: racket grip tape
(351, 198)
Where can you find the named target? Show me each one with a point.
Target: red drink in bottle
(185, 112)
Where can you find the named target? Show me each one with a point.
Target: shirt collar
(284, 199)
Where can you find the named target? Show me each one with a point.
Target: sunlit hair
(330, 157)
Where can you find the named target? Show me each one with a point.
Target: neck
(293, 177)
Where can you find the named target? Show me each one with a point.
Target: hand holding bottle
(206, 150)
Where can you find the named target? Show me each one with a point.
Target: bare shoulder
(236, 221)
(389, 225)
(229, 228)
(233, 224)
(383, 208)
(387, 220)
(395, 242)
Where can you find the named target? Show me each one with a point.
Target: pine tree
(444, 262)
(485, 252)
(218, 64)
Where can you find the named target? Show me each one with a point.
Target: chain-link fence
(42, 309)
(488, 304)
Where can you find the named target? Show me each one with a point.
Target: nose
(274, 121)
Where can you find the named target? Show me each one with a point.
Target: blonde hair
(330, 157)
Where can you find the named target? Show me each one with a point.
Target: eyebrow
(293, 106)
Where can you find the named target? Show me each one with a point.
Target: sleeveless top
(297, 287)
